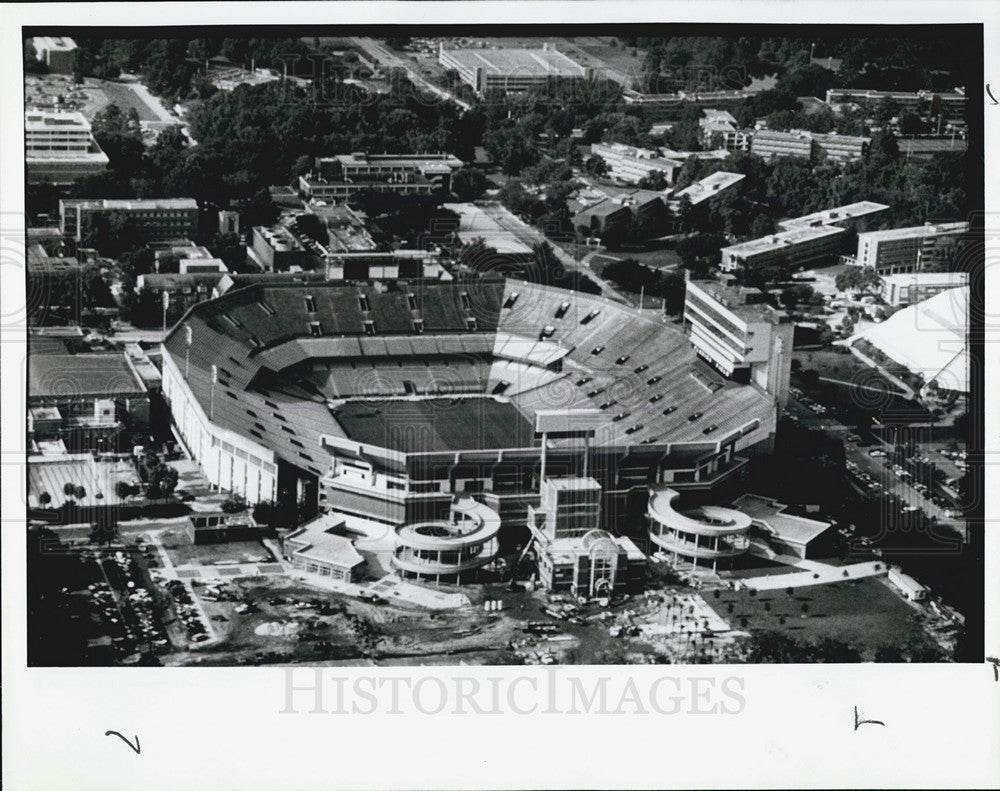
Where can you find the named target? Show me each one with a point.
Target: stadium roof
(929, 338)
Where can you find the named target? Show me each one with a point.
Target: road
(390, 60)
(530, 236)
(873, 466)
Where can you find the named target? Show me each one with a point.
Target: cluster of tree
(858, 278)
(160, 478)
(65, 296)
(713, 63)
(637, 278)
(916, 192)
(175, 68)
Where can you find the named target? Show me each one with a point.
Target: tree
(469, 183)
(124, 489)
(104, 531)
(44, 498)
(858, 278)
(656, 180)
(596, 166)
(69, 489)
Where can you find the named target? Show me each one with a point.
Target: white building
(511, 70)
(60, 148)
(913, 287)
(631, 164)
(905, 249)
(739, 334)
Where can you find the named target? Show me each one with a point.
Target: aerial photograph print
(551, 344)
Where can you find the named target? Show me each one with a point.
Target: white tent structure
(929, 338)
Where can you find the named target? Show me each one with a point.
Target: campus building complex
(150, 220)
(914, 287)
(802, 240)
(60, 148)
(901, 250)
(58, 53)
(511, 70)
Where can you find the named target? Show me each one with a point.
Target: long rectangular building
(905, 249)
(511, 70)
(631, 164)
(799, 246)
(152, 220)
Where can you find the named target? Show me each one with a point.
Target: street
(873, 466)
(387, 58)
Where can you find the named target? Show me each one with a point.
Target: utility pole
(166, 302)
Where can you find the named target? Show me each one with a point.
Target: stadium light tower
(211, 402)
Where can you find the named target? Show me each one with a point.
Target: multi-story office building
(900, 250)
(151, 220)
(511, 70)
(841, 148)
(740, 334)
(913, 287)
(802, 240)
(59, 147)
(631, 164)
(798, 246)
(803, 145)
(853, 215)
(719, 130)
(340, 177)
(58, 53)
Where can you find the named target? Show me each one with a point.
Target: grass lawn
(126, 99)
(864, 613)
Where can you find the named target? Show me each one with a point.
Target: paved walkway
(814, 573)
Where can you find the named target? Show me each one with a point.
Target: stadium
(390, 403)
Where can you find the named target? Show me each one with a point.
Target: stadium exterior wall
(220, 452)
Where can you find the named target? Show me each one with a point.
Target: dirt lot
(278, 620)
(182, 552)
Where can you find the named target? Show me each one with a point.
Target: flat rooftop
(795, 235)
(73, 376)
(53, 43)
(835, 215)
(710, 185)
(414, 160)
(50, 120)
(126, 204)
(436, 424)
(916, 231)
(734, 298)
(955, 279)
(518, 62)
